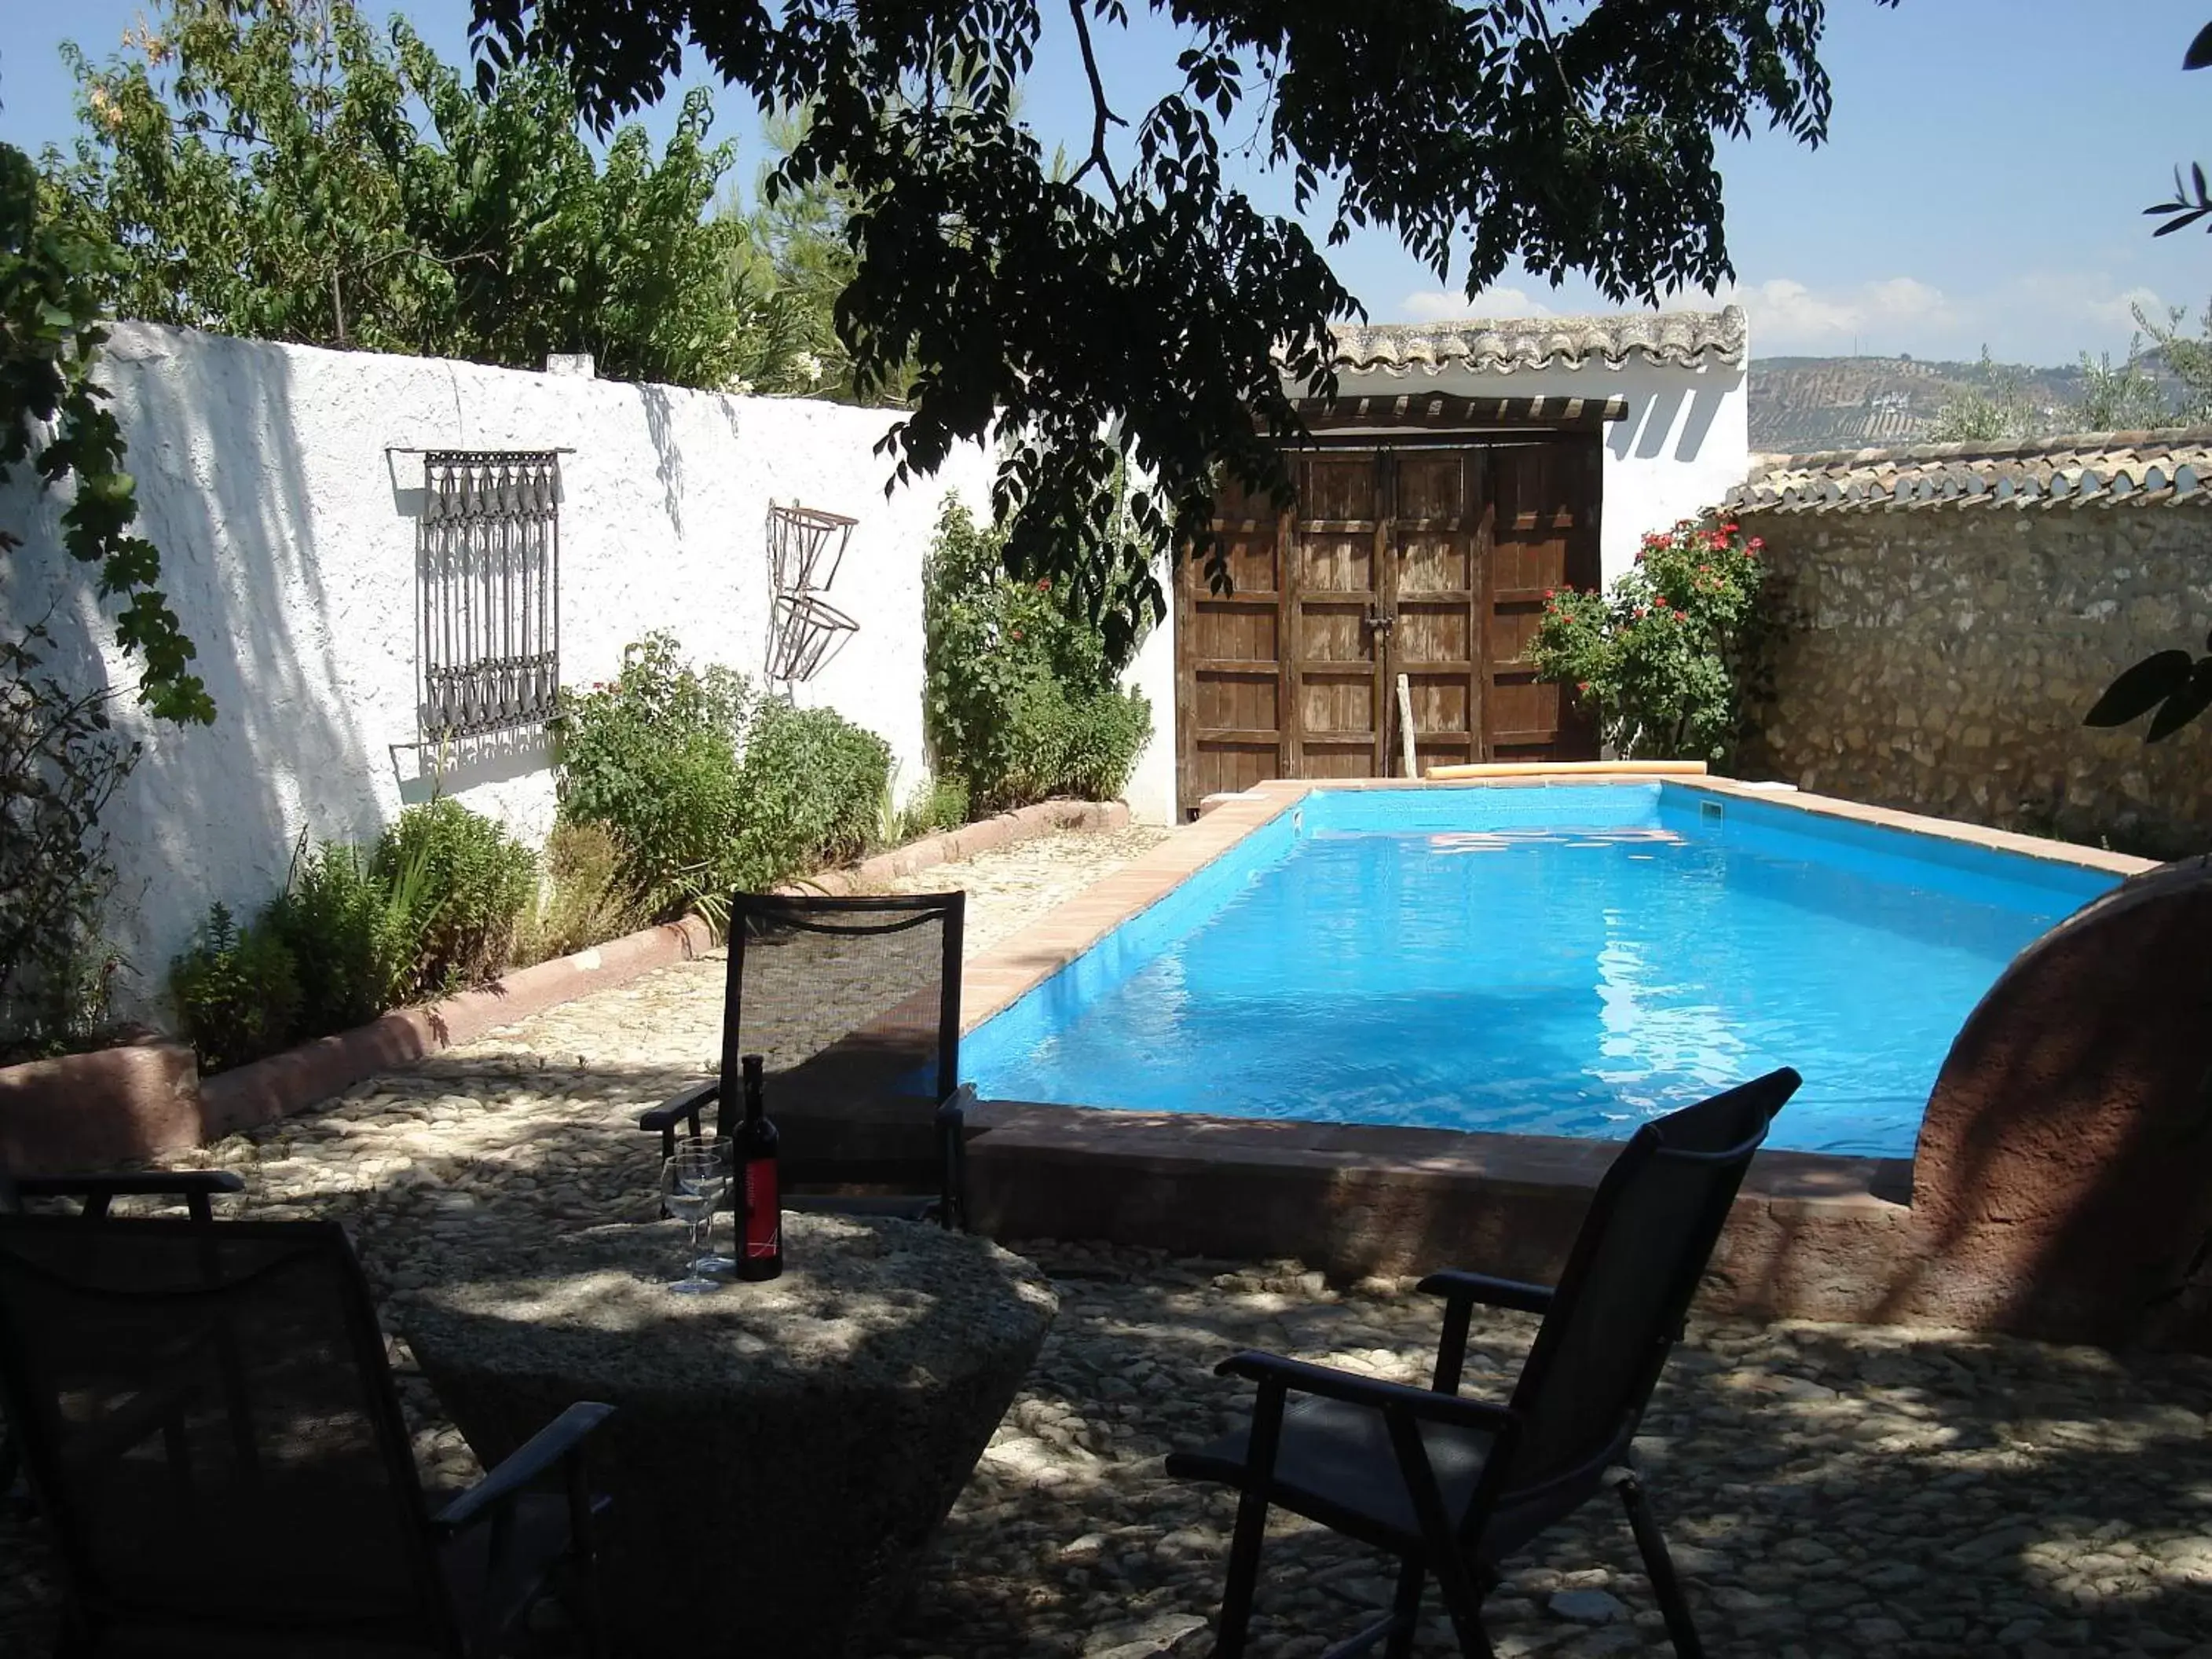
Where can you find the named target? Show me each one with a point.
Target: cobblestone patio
(1830, 1489)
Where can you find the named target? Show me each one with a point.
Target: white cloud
(1446, 305)
(1892, 314)
(2048, 316)
(2117, 313)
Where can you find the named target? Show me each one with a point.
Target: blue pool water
(1548, 960)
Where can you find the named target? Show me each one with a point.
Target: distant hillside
(1801, 404)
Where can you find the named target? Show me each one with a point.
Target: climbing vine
(53, 417)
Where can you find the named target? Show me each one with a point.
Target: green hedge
(707, 789)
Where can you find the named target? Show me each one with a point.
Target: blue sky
(1983, 184)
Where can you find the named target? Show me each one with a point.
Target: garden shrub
(60, 765)
(939, 804)
(435, 906)
(705, 789)
(462, 884)
(351, 938)
(1022, 699)
(585, 900)
(811, 785)
(651, 756)
(236, 991)
(1666, 660)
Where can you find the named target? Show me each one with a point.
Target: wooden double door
(1427, 559)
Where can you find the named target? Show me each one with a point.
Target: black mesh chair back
(212, 1432)
(1626, 1288)
(854, 1002)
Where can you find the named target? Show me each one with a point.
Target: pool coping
(1077, 1170)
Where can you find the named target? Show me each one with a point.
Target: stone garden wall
(1939, 658)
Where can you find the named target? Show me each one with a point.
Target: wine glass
(712, 1175)
(686, 1188)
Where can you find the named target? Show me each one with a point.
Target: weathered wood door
(1546, 499)
(1439, 562)
(1336, 616)
(1429, 559)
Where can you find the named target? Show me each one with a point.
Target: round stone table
(781, 1454)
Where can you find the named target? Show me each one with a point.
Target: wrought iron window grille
(805, 546)
(488, 568)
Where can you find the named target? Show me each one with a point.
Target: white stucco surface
(1151, 791)
(277, 482)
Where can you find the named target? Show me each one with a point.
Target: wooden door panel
(1439, 505)
(1431, 484)
(1238, 700)
(1331, 560)
(1434, 632)
(1336, 706)
(1227, 766)
(1336, 701)
(1286, 676)
(1228, 657)
(1331, 760)
(1435, 560)
(1546, 538)
(1337, 488)
(1334, 630)
(1242, 629)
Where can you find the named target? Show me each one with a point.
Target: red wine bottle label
(763, 1220)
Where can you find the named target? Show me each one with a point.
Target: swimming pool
(1552, 959)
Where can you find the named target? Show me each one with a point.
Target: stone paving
(1830, 1489)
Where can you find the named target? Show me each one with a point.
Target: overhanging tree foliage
(2173, 687)
(53, 415)
(1139, 311)
(260, 166)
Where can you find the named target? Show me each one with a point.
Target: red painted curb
(281, 1085)
(265, 1089)
(93, 1110)
(950, 846)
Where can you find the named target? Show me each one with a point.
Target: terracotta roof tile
(1502, 346)
(2172, 466)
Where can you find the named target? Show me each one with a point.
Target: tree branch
(1101, 115)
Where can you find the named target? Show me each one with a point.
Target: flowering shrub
(1662, 661)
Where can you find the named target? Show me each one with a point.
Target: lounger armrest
(1456, 1286)
(148, 1183)
(1299, 1377)
(554, 1444)
(694, 1100)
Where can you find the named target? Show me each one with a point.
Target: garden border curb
(264, 1090)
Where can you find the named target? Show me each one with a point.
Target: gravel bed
(1831, 1490)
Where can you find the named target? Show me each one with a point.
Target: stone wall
(1939, 658)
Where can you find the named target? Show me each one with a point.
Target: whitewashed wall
(275, 481)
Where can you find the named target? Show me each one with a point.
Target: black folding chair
(855, 1004)
(1452, 1485)
(218, 1453)
(94, 1193)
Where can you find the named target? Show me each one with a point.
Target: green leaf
(2141, 689)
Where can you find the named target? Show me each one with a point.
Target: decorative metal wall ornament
(805, 546)
(488, 568)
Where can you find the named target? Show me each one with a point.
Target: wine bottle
(760, 1252)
